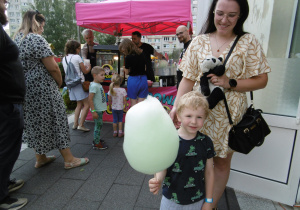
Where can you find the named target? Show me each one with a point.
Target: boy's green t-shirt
(99, 97)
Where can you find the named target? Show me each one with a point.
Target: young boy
(97, 101)
(190, 179)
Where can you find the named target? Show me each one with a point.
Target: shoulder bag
(251, 131)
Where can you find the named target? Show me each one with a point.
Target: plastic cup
(86, 62)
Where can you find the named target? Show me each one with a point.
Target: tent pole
(79, 37)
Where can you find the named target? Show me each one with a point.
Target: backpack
(71, 78)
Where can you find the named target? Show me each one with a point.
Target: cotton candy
(151, 141)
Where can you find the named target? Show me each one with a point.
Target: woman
(135, 65)
(246, 70)
(46, 125)
(72, 49)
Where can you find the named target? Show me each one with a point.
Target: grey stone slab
(47, 176)
(130, 176)
(84, 172)
(28, 169)
(59, 194)
(115, 158)
(121, 197)
(141, 208)
(27, 154)
(81, 205)
(97, 186)
(250, 202)
(22, 176)
(80, 150)
(147, 199)
(19, 163)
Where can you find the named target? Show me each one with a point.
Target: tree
(175, 54)
(60, 22)
(61, 25)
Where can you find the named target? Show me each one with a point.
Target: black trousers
(11, 129)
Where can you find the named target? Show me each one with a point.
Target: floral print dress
(247, 60)
(45, 120)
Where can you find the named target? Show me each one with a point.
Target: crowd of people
(32, 109)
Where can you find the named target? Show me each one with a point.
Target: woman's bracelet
(93, 110)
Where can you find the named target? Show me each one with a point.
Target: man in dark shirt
(12, 92)
(148, 50)
(183, 36)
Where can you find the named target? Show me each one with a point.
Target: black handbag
(250, 132)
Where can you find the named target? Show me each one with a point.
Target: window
(12, 20)
(149, 40)
(11, 14)
(143, 37)
(174, 45)
(16, 0)
(166, 38)
(156, 47)
(18, 14)
(194, 17)
(166, 45)
(16, 6)
(157, 40)
(18, 21)
(173, 38)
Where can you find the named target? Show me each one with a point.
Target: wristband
(93, 110)
(208, 200)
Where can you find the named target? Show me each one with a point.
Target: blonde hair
(31, 23)
(116, 80)
(193, 100)
(127, 47)
(96, 70)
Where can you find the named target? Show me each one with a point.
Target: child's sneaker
(121, 134)
(100, 146)
(115, 134)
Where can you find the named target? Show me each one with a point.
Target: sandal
(41, 164)
(76, 163)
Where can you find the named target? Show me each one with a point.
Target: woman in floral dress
(46, 124)
(246, 70)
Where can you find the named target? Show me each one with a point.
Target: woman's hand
(221, 81)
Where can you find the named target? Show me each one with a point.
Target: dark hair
(71, 47)
(210, 27)
(137, 33)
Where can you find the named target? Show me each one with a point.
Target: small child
(116, 101)
(190, 178)
(98, 105)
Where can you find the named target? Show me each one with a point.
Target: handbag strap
(226, 59)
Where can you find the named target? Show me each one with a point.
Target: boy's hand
(154, 186)
(207, 206)
(95, 115)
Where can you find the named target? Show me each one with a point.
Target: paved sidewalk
(107, 182)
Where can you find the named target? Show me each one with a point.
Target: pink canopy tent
(150, 17)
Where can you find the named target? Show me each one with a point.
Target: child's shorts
(168, 204)
(137, 86)
(117, 116)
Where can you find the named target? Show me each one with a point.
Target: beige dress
(247, 60)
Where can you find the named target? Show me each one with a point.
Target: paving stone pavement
(107, 182)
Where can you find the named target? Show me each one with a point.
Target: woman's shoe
(82, 128)
(76, 163)
(41, 164)
(121, 134)
(74, 127)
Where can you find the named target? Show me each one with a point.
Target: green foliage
(104, 39)
(61, 25)
(71, 105)
(175, 54)
(61, 68)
